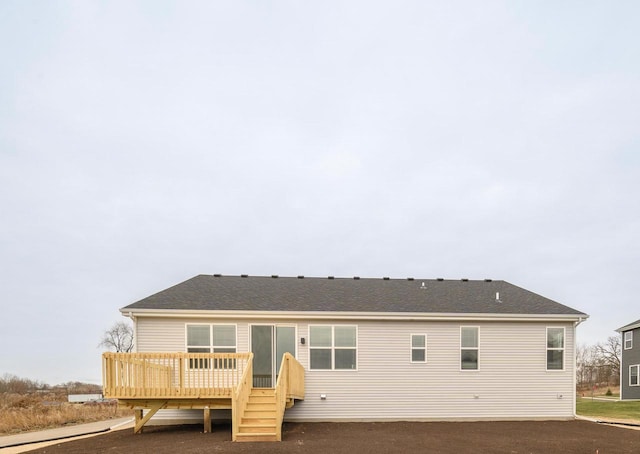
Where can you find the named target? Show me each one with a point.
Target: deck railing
(173, 375)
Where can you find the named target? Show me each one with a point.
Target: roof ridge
(355, 277)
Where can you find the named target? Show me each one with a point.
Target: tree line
(13, 384)
(599, 364)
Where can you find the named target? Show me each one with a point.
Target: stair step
(258, 422)
(257, 428)
(259, 413)
(263, 392)
(261, 398)
(261, 407)
(271, 421)
(264, 436)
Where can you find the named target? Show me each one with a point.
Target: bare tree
(119, 338)
(583, 362)
(609, 352)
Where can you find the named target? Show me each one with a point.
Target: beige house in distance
(355, 349)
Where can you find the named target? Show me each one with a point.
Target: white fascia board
(326, 315)
(628, 328)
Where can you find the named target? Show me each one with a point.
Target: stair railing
(240, 397)
(282, 386)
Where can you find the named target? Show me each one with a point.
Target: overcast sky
(143, 143)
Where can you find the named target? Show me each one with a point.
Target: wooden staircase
(259, 421)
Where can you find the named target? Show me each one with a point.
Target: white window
(633, 375)
(418, 348)
(628, 340)
(469, 347)
(555, 348)
(332, 347)
(210, 339)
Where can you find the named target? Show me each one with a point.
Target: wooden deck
(207, 381)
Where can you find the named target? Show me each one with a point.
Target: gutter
(329, 315)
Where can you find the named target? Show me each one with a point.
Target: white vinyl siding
(513, 382)
(628, 340)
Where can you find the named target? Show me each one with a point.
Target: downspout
(575, 362)
(135, 331)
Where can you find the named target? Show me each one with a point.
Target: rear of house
(630, 364)
(378, 349)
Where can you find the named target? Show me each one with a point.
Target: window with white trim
(333, 347)
(628, 340)
(210, 339)
(469, 347)
(555, 348)
(634, 371)
(418, 348)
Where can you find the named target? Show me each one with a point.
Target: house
(353, 349)
(630, 361)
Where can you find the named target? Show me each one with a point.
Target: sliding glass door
(268, 344)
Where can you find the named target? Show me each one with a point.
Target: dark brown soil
(521, 437)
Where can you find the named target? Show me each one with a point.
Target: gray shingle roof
(263, 293)
(629, 327)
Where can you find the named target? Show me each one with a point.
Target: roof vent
(423, 286)
(498, 300)
(464, 279)
(217, 275)
(301, 277)
(440, 279)
(331, 277)
(386, 278)
(409, 278)
(275, 276)
(244, 275)
(356, 277)
(488, 280)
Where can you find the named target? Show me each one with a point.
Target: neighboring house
(378, 349)
(630, 361)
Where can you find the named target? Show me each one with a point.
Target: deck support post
(207, 420)
(140, 421)
(138, 414)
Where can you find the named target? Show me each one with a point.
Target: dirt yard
(437, 437)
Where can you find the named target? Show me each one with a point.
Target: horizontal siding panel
(512, 381)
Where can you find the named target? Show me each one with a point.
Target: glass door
(262, 348)
(285, 343)
(268, 344)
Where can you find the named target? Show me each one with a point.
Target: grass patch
(27, 412)
(618, 410)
